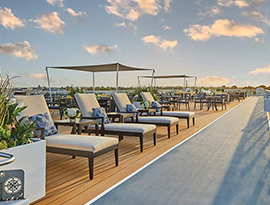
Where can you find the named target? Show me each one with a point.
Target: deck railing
(9, 159)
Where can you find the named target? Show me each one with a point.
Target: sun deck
(67, 179)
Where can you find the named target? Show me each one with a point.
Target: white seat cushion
(122, 127)
(80, 142)
(155, 119)
(178, 113)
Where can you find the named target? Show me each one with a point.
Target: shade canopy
(101, 68)
(168, 76)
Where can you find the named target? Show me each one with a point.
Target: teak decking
(67, 180)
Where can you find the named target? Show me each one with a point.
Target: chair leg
(141, 143)
(188, 106)
(119, 138)
(177, 129)
(193, 121)
(155, 138)
(116, 155)
(91, 165)
(169, 132)
(188, 123)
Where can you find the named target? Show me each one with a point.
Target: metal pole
(49, 84)
(195, 86)
(117, 74)
(94, 85)
(153, 73)
(184, 94)
(139, 82)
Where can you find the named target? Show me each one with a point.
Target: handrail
(10, 159)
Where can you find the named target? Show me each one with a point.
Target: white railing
(9, 159)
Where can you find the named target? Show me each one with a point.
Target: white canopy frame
(170, 77)
(113, 67)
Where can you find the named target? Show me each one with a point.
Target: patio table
(77, 125)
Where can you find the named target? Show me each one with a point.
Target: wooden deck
(68, 181)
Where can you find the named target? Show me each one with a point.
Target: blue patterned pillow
(44, 121)
(131, 108)
(156, 104)
(100, 112)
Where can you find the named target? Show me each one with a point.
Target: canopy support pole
(117, 75)
(184, 93)
(195, 86)
(94, 84)
(49, 83)
(152, 82)
(139, 82)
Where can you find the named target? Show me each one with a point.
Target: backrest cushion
(155, 104)
(36, 104)
(100, 112)
(147, 96)
(121, 100)
(86, 103)
(131, 108)
(44, 121)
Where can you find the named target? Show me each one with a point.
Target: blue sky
(220, 41)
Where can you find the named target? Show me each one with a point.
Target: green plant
(73, 90)
(138, 90)
(12, 133)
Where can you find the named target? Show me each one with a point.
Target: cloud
(241, 4)
(166, 45)
(133, 9)
(167, 5)
(80, 16)
(8, 20)
(129, 25)
(167, 27)
(51, 22)
(222, 28)
(260, 70)
(38, 76)
(161, 43)
(213, 81)
(210, 12)
(99, 48)
(228, 3)
(257, 16)
(19, 49)
(56, 2)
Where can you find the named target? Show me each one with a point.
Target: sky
(222, 42)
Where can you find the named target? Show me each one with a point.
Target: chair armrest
(42, 135)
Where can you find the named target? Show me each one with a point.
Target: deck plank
(67, 179)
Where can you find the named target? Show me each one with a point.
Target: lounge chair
(75, 145)
(122, 100)
(88, 101)
(180, 114)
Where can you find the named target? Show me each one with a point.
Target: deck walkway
(226, 163)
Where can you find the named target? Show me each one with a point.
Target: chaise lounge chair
(180, 114)
(88, 101)
(75, 145)
(122, 100)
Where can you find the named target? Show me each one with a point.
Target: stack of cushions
(44, 121)
(100, 112)
(131, 108)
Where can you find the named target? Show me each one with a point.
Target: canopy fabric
(168, 76)
(101, 68)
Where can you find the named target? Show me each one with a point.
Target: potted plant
(71, 113)
(145, 104)
(16, 138)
